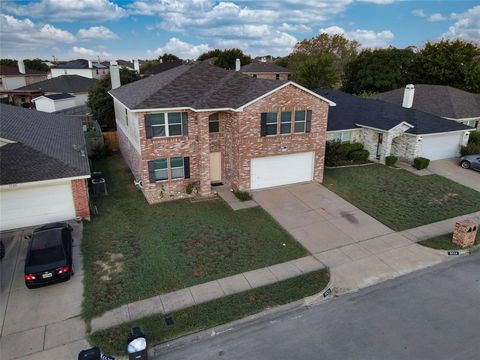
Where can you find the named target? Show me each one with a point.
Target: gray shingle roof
(46, 147)
(439, 100)
(167, 65)
(80, 64)
(13, 71)
(258, 66)
(199, 86)
(352, 110)
(63, 84)
(59, 96)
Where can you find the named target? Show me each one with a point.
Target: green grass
(399, 199)
(134, 251)
(444, 242)
(213, 313)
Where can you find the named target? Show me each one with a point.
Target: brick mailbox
(464, 233)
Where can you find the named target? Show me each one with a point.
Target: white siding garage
(281, 170)
(24, 206)
(444, 146)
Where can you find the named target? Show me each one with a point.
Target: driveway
(39, 323)
(318, 218)
(450, 169)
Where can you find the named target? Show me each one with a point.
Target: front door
(379, 145)
(216, 167)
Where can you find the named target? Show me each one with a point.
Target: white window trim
(286, 122)
(272, 123)
(177, 167)
(342, 132)
(166, 125)
(304, 121)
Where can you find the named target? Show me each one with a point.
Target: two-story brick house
(200, 124)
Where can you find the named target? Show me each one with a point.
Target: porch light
(420, 138)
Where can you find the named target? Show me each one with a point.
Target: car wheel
(465, 164)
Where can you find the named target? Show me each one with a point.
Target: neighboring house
(74, 85)
(82, 67)
(445, 101)
(200, 124)
(55, 102)
(12, 77)
(388, 129)
(266, 70)
(132, 65)
(161, 67)
(43, 168)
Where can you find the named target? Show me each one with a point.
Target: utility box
(465, 233)
(137, 345)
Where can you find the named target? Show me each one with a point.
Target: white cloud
(180, 48)
(379, 2)
(467, 25)
(437, 17)
(300, 28)
(24, 34)
(419, 13)
(67, 10)
(367, 38)
(97, 33)
(90, 52)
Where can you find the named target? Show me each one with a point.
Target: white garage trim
(35, 205)
(280, 170)
(43, 182)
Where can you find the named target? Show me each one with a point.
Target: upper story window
(286, 122)
(271, 123)
(214, 123)
(300, 120)
(166, 124)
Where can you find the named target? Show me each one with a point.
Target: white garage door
(36, 205)
(281, 170)
(436, 147)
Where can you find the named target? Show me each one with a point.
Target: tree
(379, 70)
(314, 71)
(8, 62)
(36, 64)
(342, 50)
(449, 62)
(209, 54)
(168, 57)
(226, 59)
(101, 103)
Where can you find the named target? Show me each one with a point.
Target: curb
(266, 315)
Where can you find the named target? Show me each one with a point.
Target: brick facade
(80, 198)
(464, 233)
(268, 75)
(238, 141)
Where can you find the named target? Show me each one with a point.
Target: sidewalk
(226, 194)
(194, 295)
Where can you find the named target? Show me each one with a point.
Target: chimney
(237, 65)
(21, 66)
(115, 76)
(136, 66)
(113, 62)
(90, 66)
(408, 96)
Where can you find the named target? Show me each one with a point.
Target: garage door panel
(30, 206)
(437, 147)
(281, 170)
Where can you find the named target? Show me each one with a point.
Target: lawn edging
(349, 166)
(189, 327)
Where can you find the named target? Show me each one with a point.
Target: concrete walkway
(229, 197)
(198, 294)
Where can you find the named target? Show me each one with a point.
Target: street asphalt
(429, 314)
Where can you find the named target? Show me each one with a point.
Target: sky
(113, 29)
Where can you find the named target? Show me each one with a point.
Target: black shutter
(308, 123)
(148, 127)
(151, 171)
(185, 123)
(263, 124)
(186, 167)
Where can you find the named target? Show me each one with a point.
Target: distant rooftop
(263, 67)
(13, 71)
(80, 64)
(63, 84)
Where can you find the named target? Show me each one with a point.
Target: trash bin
(99, 187)
(90, 354)
(137, 345)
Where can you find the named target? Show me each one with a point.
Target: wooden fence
(111, 138)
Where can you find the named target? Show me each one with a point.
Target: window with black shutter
(186, 167)
(158, 170)
(300, 120)
(308, 124)
(271, 123)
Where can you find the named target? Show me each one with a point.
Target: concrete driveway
(450, 169)
(42, 323)
(318, 218)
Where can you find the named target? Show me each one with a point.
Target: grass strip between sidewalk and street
(444, 242)
(213, 313)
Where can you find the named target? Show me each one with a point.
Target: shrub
(337, 153)
(391, 160)
(420, 163)
(242, 195)
(474, 138)
(470, 149)
(101, 151)
(193, 186)
(359, 155)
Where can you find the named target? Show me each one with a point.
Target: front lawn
(399, 199)
(444, 242)
(213, 313)
(134, 251)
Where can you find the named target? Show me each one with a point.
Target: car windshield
(47, 247)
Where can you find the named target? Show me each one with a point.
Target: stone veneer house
(200, 124)
(266, 70)
(389, 129)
